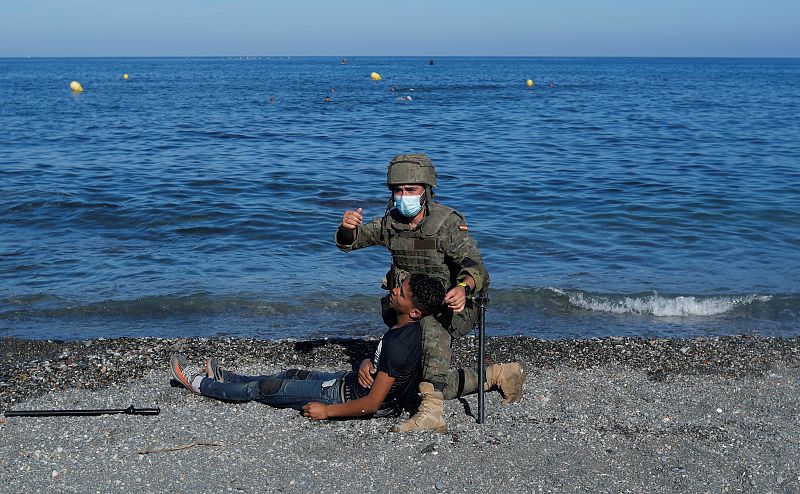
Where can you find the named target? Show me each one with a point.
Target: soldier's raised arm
(347, 228)
(353, 233)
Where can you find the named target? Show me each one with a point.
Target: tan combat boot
(429, 415)
(508, 378)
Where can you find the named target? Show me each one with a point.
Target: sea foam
(664, 306)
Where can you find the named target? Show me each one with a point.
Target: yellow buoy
(125, 76)
(376, 76)
(529, 83)
(76, 86)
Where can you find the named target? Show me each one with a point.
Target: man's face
(408, 190)
(400, 298)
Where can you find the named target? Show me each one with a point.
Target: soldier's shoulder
(454, 220)
(444, 211)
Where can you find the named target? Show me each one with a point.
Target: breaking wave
(551, 300)
(664, 305)
(543, 312)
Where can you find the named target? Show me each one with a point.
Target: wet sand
(610, 415)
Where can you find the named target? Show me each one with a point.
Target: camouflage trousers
(438, 332)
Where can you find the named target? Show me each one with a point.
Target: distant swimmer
(430, 62)
(273, 100)
(552, 84)
(407, 98)
(333, 90)
(393, 89)
(327, 99)
(344, 61)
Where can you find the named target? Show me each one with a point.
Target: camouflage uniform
(439, 246)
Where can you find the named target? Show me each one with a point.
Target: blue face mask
(408, 206)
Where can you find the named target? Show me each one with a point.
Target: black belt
(345, 394)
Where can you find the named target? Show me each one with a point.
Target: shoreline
(602, 415)
(33, 367)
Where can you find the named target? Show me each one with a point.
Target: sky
(657, 28)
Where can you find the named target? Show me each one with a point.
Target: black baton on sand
(481, 300)
(82, 413)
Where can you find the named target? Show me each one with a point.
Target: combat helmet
(414, 168)
(411, 169)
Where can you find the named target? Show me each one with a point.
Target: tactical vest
(420, 250)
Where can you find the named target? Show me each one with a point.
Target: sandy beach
(602, 415)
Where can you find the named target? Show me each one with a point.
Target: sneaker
(213, 370)
(183, 372)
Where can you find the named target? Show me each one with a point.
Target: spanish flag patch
(463, 228)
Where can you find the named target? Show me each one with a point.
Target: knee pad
(269, 387)
(461, 380)
(299, 374)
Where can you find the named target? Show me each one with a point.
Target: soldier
(424, 236)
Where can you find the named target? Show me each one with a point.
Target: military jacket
(440, 246)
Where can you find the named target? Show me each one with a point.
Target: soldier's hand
(456, 299)
(365, 373)
(352, 219)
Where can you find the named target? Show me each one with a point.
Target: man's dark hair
(427, 292)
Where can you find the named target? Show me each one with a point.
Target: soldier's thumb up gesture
(352, 219)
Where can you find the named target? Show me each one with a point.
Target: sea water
(644, 197)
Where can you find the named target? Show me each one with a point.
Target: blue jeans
(291, 388)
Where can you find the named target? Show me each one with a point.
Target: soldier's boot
(508, 378)
(429, 415)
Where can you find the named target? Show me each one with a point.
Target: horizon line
(397, 56)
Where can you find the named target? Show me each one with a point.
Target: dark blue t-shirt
(399, 355)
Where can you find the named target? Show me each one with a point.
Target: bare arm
(366, 405)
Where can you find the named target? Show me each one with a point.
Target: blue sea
(617, 196)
